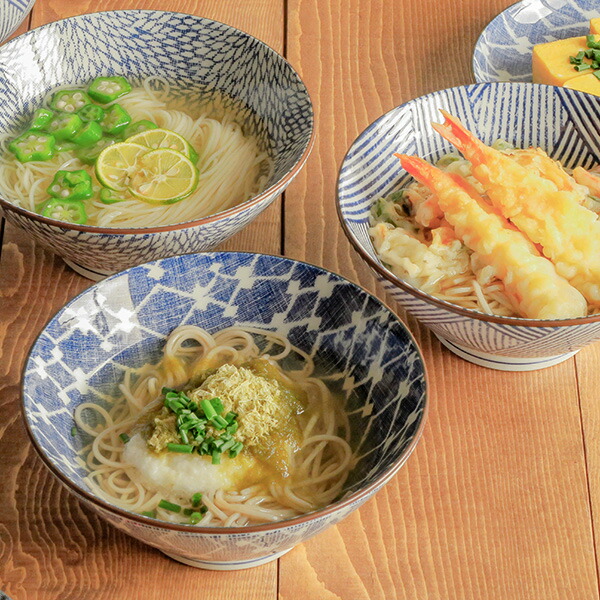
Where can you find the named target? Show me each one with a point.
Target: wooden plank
(493, 504)
(51, 547)
(587, 361)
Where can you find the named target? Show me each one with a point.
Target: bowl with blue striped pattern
(564, 123)
(12, 14)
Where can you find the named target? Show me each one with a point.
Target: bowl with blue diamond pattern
(123, 321)
(563, 122)
(209, 61)
(12, 14)
(503, 50)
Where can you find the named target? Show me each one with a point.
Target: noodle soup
(229, 429)
(156, 154)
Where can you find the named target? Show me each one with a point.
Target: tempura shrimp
(568, 233)
(531, 281)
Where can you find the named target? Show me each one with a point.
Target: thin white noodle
(319, 468)
(232, 168)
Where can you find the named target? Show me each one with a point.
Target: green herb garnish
(169, 506)
(197, 426)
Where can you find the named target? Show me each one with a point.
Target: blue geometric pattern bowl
(12, 14)
(564, 123)
(124, 320)
(503, 50)
(212, 59)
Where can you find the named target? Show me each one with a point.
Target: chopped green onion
(597, 74)
(182, 448)
(188, 511)
(230, 417)
(149, 513)
(196, 499)
(235, 449)
(217, 405)
(74, 431)
(582, 67)
(208, 408)
(219, 422)
(227, 445)
(124, 437)
(216, 457)
(169, 506)
(580, 55)
(203, 509)
(195, 518)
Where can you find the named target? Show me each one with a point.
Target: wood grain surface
(501, 498)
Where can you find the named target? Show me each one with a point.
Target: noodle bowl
(204, 61)
(317, 469)
(233, 167)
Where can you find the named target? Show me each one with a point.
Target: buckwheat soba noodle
(129, 157)
(219, 434)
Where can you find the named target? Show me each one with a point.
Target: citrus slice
(163, 176)
(164, 138)
(116, 165)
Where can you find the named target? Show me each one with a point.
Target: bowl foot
(504, 363)
(235, 565)
(86, 272)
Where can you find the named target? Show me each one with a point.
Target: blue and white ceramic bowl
(12, 14)
(563, 122)
(503, 50)
(206, 56)
(81, 354)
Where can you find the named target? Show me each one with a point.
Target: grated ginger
(260, 403)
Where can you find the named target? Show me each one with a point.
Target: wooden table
(500, 499)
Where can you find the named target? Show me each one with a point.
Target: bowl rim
(480, 39)
(416, 292)
(331, 508)
(273, 190)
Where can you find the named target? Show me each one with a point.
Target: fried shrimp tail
(531, 281)
(568, 233)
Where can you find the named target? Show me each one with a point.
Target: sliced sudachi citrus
(164, 138)
(117, 164)
(163, 176)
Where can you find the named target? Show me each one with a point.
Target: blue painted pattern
(210, 59)
(564, 123)
(123, 321)
(503, 51)
(12, 14)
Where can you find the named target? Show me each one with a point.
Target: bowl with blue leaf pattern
(81, 354)
(208, 63)
(12, 14)
(562, 122)
(503, 50)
